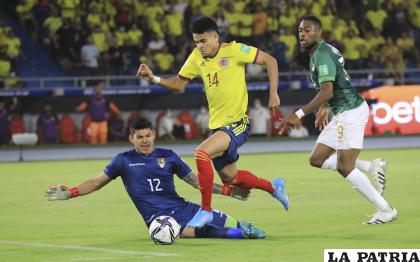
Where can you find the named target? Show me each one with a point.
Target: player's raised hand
(145, 72)
(57, 192)
(240, 193)
(273, 102)
(321, 120)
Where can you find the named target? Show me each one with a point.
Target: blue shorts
(238, 132)
(185, 213)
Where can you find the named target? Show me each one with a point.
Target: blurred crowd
(96, 37)
(10, 50)
(111, 37)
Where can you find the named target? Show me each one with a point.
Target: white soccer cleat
(381, 217)
(377, 172)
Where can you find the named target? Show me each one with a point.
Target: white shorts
(347, 129)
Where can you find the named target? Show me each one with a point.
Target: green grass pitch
(325, 212)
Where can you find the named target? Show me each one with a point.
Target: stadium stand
(126, 30)
(58, 48)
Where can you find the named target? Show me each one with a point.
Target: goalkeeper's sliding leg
(222, 226)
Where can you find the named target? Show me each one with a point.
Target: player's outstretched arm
(325, 94)
(227, 190)
(172, 83)
(62, 192)
(273, 77)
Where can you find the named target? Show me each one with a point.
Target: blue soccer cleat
(201, 218)
(280, 192)
(250, 231)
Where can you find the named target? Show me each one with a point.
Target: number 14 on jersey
(213, 80)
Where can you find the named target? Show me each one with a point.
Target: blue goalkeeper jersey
(149, 180)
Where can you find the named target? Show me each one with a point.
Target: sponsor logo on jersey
(223, 62)
(161, 162)
(136, 164)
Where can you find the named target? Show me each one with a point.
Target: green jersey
(327, 65)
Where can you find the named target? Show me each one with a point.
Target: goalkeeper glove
(61, 192)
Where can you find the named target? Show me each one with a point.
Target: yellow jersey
(224, 80)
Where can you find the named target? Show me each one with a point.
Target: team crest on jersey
(223, 62)
(161, 162)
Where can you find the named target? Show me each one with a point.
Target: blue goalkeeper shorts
(238, 132)
(183, 214)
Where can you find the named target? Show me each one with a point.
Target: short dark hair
(140, 123)
(203, 24)
(313, 19)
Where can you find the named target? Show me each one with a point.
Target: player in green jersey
(341, 139)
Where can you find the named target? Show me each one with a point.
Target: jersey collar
(318, 44)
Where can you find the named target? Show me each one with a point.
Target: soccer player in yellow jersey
(222, 68)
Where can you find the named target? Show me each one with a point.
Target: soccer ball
(164, 230)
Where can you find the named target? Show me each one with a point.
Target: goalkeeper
(148, 176)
